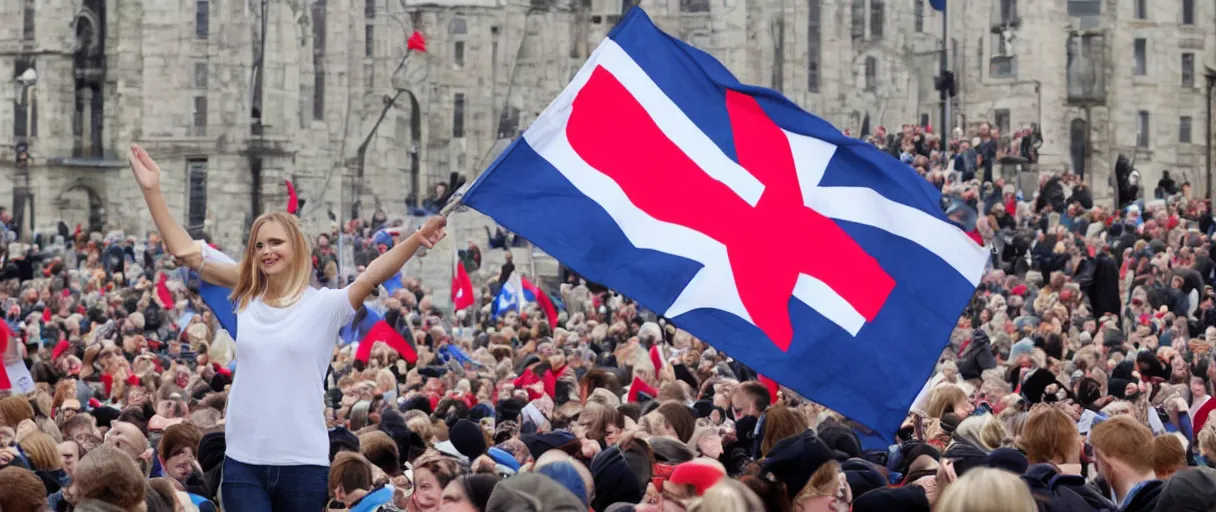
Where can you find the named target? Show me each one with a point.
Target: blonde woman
(277, 455)
(727, 496)
(987, 490)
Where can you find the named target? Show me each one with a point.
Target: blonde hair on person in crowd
(252, 282)
(42, 452)
(987, 490)
(23, 490)
(944, 398)
(727, 495)
(984, 432)
(110, 475)
(1207, 441)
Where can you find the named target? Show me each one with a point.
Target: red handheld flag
(462, 288)
(293, 201)
(163, 293)
(382, 331)
(416, 42)
(5, 334)
(542, 299)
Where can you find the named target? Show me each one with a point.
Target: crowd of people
(1079, 378)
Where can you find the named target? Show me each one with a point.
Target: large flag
(816, 259)
(216, 296)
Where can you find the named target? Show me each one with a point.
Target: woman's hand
(146, 172)
(432, 231)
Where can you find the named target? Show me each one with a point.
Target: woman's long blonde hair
(252, 282)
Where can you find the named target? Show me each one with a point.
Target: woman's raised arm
(389, 263)
(177, 240)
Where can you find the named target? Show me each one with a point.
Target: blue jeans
(248, 487)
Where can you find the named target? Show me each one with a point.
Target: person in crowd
(279, 315)
(1078, 376)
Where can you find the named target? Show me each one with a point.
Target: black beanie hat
(468, 439)
(341, 439)
(614, 480)
(794, 459)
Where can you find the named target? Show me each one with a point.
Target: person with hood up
(614, 481)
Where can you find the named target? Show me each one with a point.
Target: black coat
(1103, 288)
(978, 356)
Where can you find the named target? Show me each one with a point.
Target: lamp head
(28, 77)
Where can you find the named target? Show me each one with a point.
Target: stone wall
(507, 61)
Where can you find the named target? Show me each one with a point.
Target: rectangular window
(1184, 129)
(199, 115)
(1084, 7)
(202, 19)
(200, 75)
(1142, 129)
(919, 12)
(1188, 12)
(458, 115)
(813, 50)
(369, 40)
(1004, 66)
(27, 20)
(369, 9)
(1002, 123)
(859, 19)
(1140, 56)
(878, 16)
(1188, 70)
(1009, 11)
(196, 199)
(1141, 9)
(458, 53)
(924, 120)
(318, 95)
(318, 59)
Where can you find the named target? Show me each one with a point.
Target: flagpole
(455, 261)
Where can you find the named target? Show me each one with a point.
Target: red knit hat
(700, 476)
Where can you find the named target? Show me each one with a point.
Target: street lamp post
(21, 186)
(1210, 75)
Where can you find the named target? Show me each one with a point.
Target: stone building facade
(235, 96)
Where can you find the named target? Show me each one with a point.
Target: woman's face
(69, 451)
(180, 465)
(710, 445)
(964, 408)
(1198, 388)
(273, 248)
(611, 434)
(454, 499)
(428, 494)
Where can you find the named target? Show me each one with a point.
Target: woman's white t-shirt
(276, 408)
